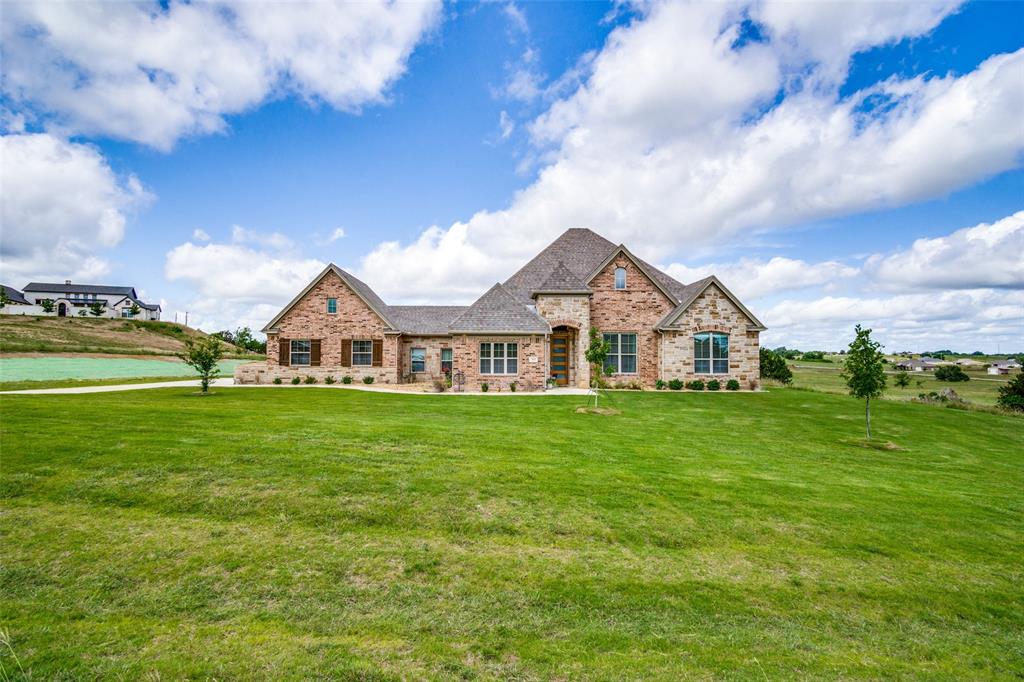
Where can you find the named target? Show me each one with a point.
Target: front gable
(355, 309)
(711, 308)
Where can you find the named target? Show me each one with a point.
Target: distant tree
(47, 305)
(864, 372)
(597, 354)
(225, 336)
(902, 379)
(96, 309)
(4, 298)
(203, 355)
(1011, 394)
(773, 366)
(814, 355)
(977, 352)
(951, 373)
(135, 310)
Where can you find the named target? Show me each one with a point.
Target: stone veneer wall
(637, 308)
(433, 346)
(571, 311)
(713, 311)
(531, 376)
(309, 319)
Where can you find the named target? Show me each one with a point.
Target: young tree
(902, 379)
(47, 305)
(203, 355)
(597, 353)
(135, 310)
(4, 298)
(864, 372)
(96, 309)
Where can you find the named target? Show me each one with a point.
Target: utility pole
(186, 318)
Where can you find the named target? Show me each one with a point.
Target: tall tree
(864, 371)
(203, 355)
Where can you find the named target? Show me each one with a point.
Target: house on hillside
(75, 299)
(1003, 366)
(998, 369)
(14, 300)
(531, 330)
(967, 362)
(912, 365)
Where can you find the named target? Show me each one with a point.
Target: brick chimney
(67, 281)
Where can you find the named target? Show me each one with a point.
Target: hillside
(25, 334)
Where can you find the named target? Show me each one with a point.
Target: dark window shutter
(284, 350)
(346, 352)
(314, 352)
(378, 352)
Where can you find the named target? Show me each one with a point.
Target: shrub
(714, 385)
(439, 385)
(484, 387)
(814, 355)
(310, 380)
(329, 380)
(951, 373)
(367, 380)
(621, 385)
(659, 385)
(512, 387)
(636, 385)
(695, 385)
(346, 379)
(295, 381)
(202, 355)
(277, 380)
(676, 384)
(902, 379)
(1011, 394)
(732, 385)
(773, 366)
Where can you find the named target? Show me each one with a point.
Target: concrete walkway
(228, 382)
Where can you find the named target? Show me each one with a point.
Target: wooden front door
(560, 358)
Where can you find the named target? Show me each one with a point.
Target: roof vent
(67, 281)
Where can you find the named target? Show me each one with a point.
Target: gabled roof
(14, 295)
(147, 306)
(61, 288)
(693, 291)
(360, 288)
(578, 250)
(562, 281)
(426, 320)
(499, 311)
(643, 267)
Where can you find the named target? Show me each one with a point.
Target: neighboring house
(70, 299)
(913, 365)
(531, 329)
(998, 369)
(15, 299)
(933, 362)
(1007, 365)
(967, 362)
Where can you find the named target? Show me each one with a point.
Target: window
(499, 358)
(126, 312)
(300, 352)
(446, 360)
(620, 278)
(621, 354)
(418, 359)
(711, 353)
(332, 306)
(362, 353)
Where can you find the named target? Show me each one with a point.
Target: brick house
(530, 329)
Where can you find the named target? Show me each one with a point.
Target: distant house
(74, 299)
(1003, 366)
(912, 365)
(14, 298)
(967, 362)
(998, 369)
(931, 362)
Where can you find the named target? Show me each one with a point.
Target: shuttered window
(362, 353)
(301, 350)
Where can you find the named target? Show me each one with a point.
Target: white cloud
(986, 255)
(61, 203)
(339, 233)
(683, 159)
(751, 279)
(272, 240)
(200, 235)
(150, 74)
(506, 124)
(516, 18)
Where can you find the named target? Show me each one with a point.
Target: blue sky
(450, 142)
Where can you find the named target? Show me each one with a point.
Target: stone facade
(636, 309)
(572, 311)
(532, 364)
(713, 312)
(433, 346)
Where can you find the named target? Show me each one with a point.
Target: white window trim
(620, 353)
(711, 358)
(292, 353)
(615, 275)
(352, 360)
(504, 358)
(418, 371)
(327, 306)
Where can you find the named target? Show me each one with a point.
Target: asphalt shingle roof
(61, 288)
(425, 319)
(499, 311)
(561, 279)
(14, 295)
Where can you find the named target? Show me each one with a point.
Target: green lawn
(332, 534)
(982, 388)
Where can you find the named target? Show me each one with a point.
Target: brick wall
(433, 346)
(637, 308)
(713, 311)
(531, 375)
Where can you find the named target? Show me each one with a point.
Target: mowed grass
(332, 534)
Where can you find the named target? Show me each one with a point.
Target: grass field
(29, 334)
(982, 388)
(331, 534)
(52, 371)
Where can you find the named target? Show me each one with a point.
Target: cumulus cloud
(339, 233)
(676, 141)
(61, 203)
(200, 235)
(750, 278)
(986, 255)
(152, 74)
(506, 124)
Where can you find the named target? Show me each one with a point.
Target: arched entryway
(62, 310)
